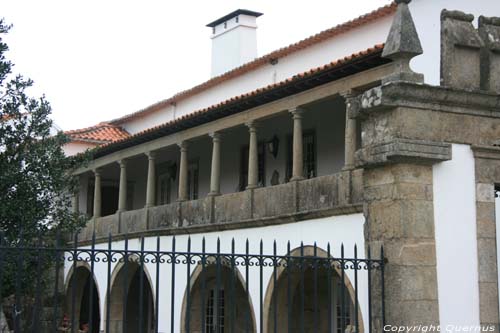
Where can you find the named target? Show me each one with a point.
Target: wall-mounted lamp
(273, 146)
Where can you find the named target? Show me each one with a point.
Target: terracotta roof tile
(315, 39)
(337, 64)
(101, 133)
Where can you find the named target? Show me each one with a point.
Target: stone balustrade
(338, 193)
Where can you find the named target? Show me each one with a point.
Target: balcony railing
(339, 193)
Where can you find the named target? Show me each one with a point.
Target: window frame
(289, 154)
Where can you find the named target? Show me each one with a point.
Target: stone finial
(402, 45)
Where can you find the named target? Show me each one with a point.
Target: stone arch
(281, 290)
(129, 275)
(79, 277)
(241, 303)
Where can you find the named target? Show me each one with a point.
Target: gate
(157, 285)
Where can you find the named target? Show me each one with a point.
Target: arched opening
(309, 296)
(131, 299)
(218, 301)
(78, 298)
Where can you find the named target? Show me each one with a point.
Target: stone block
(106, 225)
(418, 253)
(487, 170)
(133, 221)
(233, 207)
(318, 193)
(410, 313)
(417, 219)
(488, 302)
(485, 214)
(163, 216)
(384, 220)
(195, 212)
(411, 283)
(274, 201)
(485, 192)
(487, 255)
(489, 30)
(460, 51)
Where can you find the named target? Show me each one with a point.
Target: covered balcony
(285, 158)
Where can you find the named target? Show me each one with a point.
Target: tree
(35, 175)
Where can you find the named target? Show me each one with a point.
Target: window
(244, 166)
(308, 155)
(215, 313)
(164, 187)
(346, 316)
(193, 175)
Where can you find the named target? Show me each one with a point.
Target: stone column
(298, 149)
(150, 189)
(97, 193)
(183, 172)
(350, 131)
(215, 171)
(253, 157)
(122, 195)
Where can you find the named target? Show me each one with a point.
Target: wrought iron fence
(114, 287)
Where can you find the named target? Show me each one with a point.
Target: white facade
(454, 198)
(456, 242)
(336, 230)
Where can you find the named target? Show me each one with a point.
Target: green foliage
(35, 175)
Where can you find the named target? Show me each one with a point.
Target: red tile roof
(285, 51)
(101, 133)
(217, 111)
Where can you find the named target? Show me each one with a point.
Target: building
(332, 140)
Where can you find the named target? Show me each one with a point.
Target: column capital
(296, 111)
(352, 103)
(252, 125)
(122, 163)
(183, 145)
(151, 155)
(216, 136)
(349, 93)
(97, 172)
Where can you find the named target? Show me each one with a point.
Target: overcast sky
(97, 60)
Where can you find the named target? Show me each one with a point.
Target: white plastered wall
(346, 229)
(345, 44)
(456, 243)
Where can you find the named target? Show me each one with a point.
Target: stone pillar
(97, 193)
(122, 195)
(298, 149)
(183, 172)
(253, 157)
(400, 216)
(350, 131)
(150, 189)
(215, 171)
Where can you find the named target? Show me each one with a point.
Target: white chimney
(234, 40)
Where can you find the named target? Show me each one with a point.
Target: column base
(297, 178)
(348, 167)
(213, 194)
(251, 187)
